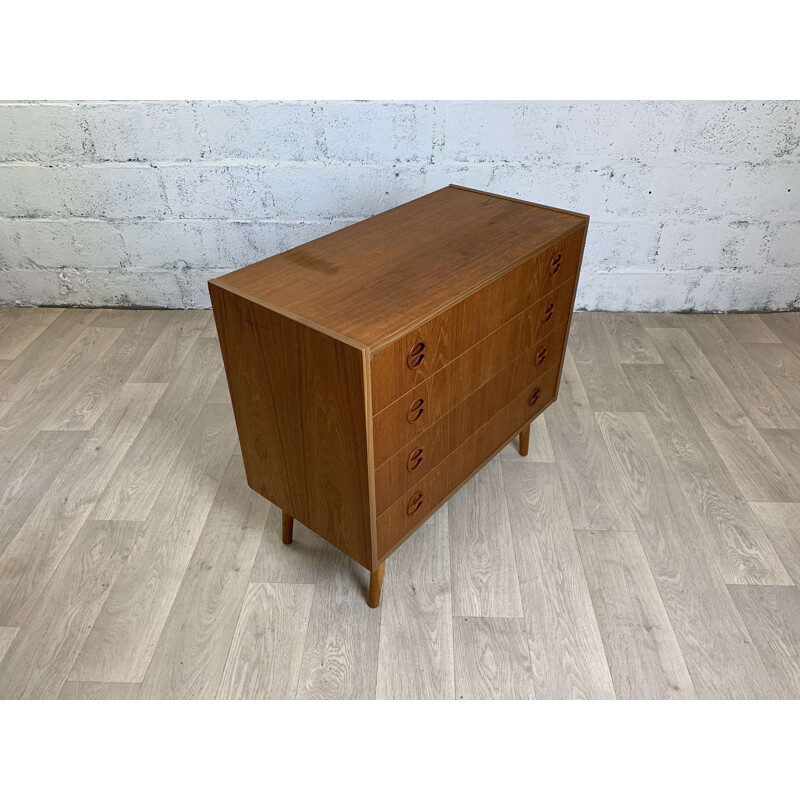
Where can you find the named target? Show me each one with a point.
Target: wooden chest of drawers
(375, 370)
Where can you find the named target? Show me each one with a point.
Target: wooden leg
(524, 439)
(286, 525)
(375, 586)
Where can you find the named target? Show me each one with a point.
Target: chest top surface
(374, 280)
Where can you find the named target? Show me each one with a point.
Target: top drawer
(414, 357)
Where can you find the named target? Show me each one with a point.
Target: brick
(144, 131)
(48, 133)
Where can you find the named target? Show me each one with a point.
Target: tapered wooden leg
(524, 440)
(375, 586)
(287, 523)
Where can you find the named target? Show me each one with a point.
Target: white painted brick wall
(693, 205)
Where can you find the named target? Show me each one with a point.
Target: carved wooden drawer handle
(414, 504)
(540, 356)
(414, 460)
(416, 355)
(533, 399)
(555, 264)
(548, 312)
(415, 409)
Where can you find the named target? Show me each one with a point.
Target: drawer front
(411, 463)
(399, 423)
(406, 363)
(416, 504)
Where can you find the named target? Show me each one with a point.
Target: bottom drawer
(418, 502)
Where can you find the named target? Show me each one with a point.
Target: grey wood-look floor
(648, 547)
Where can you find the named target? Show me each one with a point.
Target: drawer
(404, 364)
(416, 504)
(399, 423)
(411, 463)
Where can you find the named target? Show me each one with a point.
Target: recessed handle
(548, 313)
(414, 504)
(555, 264)
(414, 459)
(416, 355)
(415, 410)
(534, 398)
(540, 356)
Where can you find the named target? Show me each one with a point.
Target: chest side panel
(301, 412)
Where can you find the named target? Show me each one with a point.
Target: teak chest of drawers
(375, 370)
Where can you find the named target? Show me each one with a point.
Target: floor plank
(632, 343)
(786, 327)
(193, 647)
(781, 521)
(340, 659)
(749, 329)
(415, 660)
(772, 615)
(26, 370)
(721, 659)
(643, 654)
(539, 447)
(492, 659)
(132, 490)
(752, 464)
(591, 485)
(30, 475)
(748, 385)
(786, 446)
(85, 406)
(264, 661)
(738, 545)
(484, 575)
(42, 653)
(781, 366)
(596, 360)
(76, 690)
(6, 637)
(31, 558)
(175, 342)
(565, 645)
(23, 328)
(127, 630)
(277, 563)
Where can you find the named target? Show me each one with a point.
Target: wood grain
(492, 659)
(539, 447)
(134, 486)
(372, 281)
(754, 467)
(772, 614)
(786, 446)
(340, 658)
(77, 690)
(484, 573)
(643, 654)
(749, 329)
(264, 660)
(301, 412)
(128, 628)
(29, 476)
(781, 522)
(42, 653)
(601, 373)
(631, 342)
(735, 540)
(591, 485)
(751, 388)
(781, 366)
(415, 660)
(190, 657)
(179, 331)
(722, 661)
(6, 637)
(31, 558)
(565, 645)
(23, 328)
